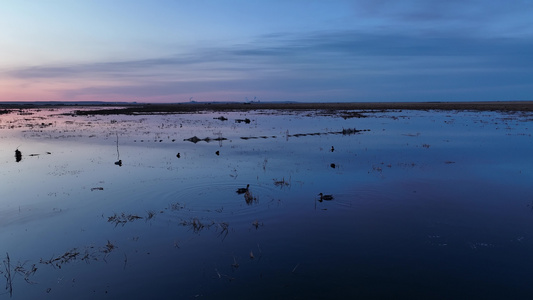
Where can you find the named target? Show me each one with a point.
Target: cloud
(351, 61)
(319, 49)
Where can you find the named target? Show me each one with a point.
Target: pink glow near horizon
(315, 51)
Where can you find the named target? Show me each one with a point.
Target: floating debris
(108, 247)
(196, 225)
(74, 254)
(282, 182)
(349, 115)
(97, 188)
(256, 224)
(224, 229)
(193, 139)
(151, 215)
(26, 273)
(235, 264)
(9, 278)
(196, 139)
(122, 219)
(62, 259)
(350, 131)
(176, 206)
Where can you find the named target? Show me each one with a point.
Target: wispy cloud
(321, 61)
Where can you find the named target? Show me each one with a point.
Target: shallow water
(427, 204)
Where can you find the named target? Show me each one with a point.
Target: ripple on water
(212, 200)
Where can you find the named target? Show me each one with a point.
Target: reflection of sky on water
(427, 199)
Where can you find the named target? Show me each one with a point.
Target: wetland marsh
(226, 204)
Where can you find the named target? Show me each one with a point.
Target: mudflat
(192, 107)
(103, 108)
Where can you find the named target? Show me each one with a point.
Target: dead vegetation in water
(282, 183)
(27, 270)
(344, 131)
(88, 254)
(122, 219)
(196, 225)
(246, 120)
(196, 139)
(67, 257)
(176, 206)
(150, 215)
(224, 229)
(24, 272)
(257, 224)
(9, 278)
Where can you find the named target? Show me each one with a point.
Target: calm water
(426, 205)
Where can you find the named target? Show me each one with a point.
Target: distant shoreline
(103, 108)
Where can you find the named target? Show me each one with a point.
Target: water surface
(427, 204)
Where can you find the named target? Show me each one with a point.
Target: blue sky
(291, 50)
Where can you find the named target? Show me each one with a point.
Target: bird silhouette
(325, 197)
(243, 190)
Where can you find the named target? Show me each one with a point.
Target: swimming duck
(325, 197)
(243, 190)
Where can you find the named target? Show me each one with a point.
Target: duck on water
(243, 190)
(325, 197)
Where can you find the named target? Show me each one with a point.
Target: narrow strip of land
(297, 106)
(193, 107)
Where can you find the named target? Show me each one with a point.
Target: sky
(273, 50)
